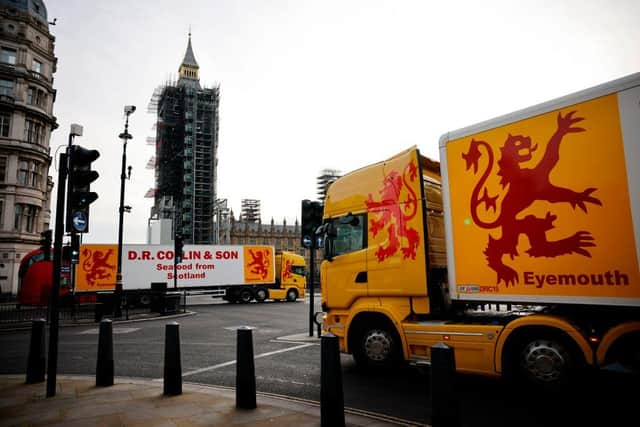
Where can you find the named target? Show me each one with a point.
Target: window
(36, 175)
(8, 56)
(23, 172)
(1, 212)
(37, 66)
(36, 96)
(25, 217)
(5, 123)
(6, 87)
(350, 237)
(33, 131)
(17, 217)
(30, 214)
(3, 169)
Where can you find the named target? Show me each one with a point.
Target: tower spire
(188, 71)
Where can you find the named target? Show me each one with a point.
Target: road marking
(232, 362)
(115, 331)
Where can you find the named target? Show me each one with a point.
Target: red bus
(34, 279)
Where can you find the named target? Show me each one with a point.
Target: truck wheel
(546, 362)
(144, 300)
(292, 295)
(376, 346)
(245, 296)
(261, 294)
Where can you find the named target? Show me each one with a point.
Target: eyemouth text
(609, 278)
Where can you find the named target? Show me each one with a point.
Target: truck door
(346, 280)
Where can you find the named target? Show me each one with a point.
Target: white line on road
(232, 362)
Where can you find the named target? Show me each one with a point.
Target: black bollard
(245, 370)
(97, 312)
(445, 411)
(36, 360)
(172, 364)
(331, 394)
(104, 364)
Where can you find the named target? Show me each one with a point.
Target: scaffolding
(324, 180)
(185, 160)
(250, 210)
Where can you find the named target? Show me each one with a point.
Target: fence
(13, 314)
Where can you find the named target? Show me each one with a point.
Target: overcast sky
(308, 85)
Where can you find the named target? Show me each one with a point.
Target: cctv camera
(128, 109)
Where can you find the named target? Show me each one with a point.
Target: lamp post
(125, 136)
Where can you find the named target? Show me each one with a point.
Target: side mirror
(330, 233)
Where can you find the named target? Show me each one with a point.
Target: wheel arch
(614, 339)
(521, 328)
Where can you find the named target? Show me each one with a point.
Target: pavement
(140, 402)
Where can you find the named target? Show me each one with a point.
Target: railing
(14, 314)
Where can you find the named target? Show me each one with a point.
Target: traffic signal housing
(45, 243)
(178, 246)
(311, 219)
(80, 196)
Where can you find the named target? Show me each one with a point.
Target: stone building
(27, 65)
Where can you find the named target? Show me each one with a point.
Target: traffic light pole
(55, 280)
(312, 273)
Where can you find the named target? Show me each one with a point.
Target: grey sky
(307, 85)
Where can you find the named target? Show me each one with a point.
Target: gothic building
(187, 154)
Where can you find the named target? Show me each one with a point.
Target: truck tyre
(292, 295)
(245, 296)
(548, 362)
(144, 300)
(261, 294)
(376, 346)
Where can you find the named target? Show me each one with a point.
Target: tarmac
(140, 402)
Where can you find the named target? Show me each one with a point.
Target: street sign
(80, 221)
(306, 241)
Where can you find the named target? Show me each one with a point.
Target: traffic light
(311, 219)
(75, 248)
(80, 196)
(45, 243)
(177, 250)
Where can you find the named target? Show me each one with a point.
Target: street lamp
(124, 136)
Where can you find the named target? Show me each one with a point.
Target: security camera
(128, 109)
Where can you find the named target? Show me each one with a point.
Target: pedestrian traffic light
(45, 243)
(311, 220)
(179, 244)
(80, 196)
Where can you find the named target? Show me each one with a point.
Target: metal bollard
(245, 370)
(97, 313)
(104, 364)
(331, 393)
(172, 364)
(444, 402)
(36, 360)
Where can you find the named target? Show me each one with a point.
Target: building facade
(27, 65)
(282, 236)
(187, 154)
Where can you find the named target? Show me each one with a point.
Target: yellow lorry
(519, 248)
(291, 277)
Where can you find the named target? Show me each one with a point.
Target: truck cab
(291, 277)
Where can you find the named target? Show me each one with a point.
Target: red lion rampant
(95, 265)
(525, 187)
(388, 213)
(259, 262)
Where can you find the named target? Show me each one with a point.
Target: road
(287, 362)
